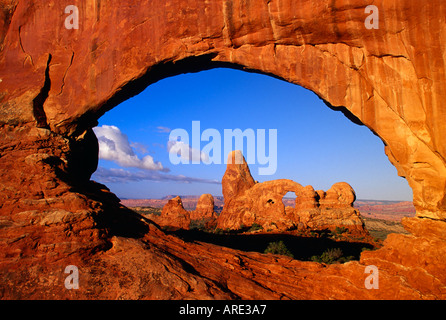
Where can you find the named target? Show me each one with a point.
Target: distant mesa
(169, 197)
(172, 196)
(248, 203)
(385, 210)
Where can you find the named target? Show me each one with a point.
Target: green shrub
(278, 247)
(341, 230)
(329, 256)
(199, 224)
(346, 259)
(218, 231)
(255, 227)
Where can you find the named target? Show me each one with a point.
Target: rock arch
(55, 83)
(261, 203)
(388, 78)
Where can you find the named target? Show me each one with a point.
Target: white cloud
(186, 152)
(122, 176)
(115, 146)
(140, 147)
(162, 129)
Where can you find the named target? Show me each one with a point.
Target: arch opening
(149, 166)
(289, 200)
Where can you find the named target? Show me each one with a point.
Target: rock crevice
(39, 100)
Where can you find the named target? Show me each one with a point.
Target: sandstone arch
(55, 83)
(392, 79)
(249, 203)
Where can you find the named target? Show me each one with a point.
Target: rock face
(56, 82)
(174, 215)
(340, 195)
(237, 178)
(248, 203)
(204, 209)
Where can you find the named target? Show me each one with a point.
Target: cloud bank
(112, 175)
(115, 146)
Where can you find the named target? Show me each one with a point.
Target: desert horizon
(387, 209)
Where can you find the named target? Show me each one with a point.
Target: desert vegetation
(331, 256)
(278, 247)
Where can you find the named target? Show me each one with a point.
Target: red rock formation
(340, 195)
(262, 204)
(307, 199)
(155, 265)
(388, 78)
(237, 178)
(56, 82)
(204, 209)
(173, 215)
(189, 202)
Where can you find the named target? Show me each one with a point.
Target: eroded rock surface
(174, 215)
(204, 209)
(391, 79)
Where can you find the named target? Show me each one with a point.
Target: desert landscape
(205, 218)
(65, 236)
(380, 217)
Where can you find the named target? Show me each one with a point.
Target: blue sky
(315, 145)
